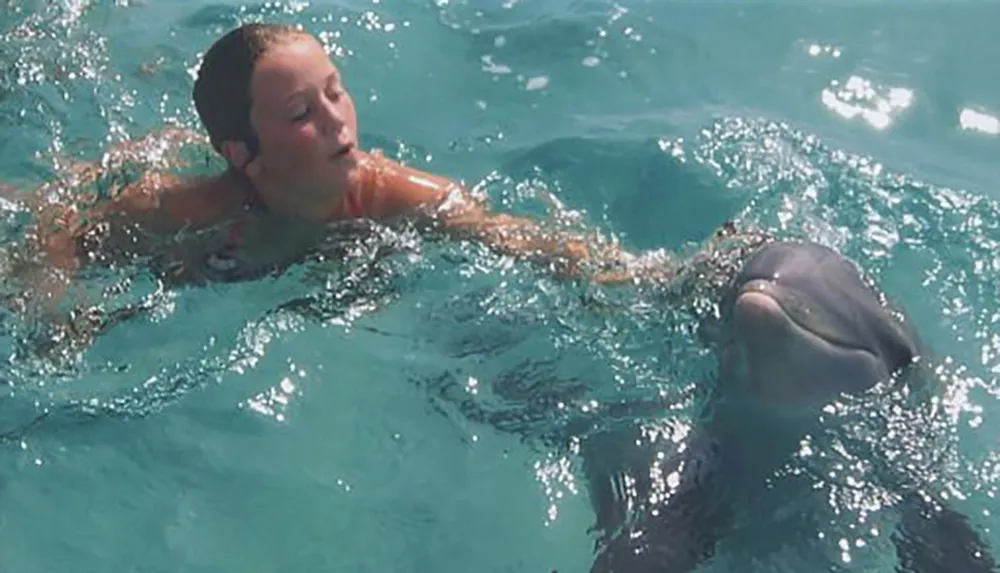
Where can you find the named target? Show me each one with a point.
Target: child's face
(305, 122)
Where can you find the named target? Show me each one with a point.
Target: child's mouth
(342, 152)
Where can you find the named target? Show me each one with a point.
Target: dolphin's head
(804, 328)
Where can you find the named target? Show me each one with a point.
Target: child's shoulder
(391, 188)
(166, 202)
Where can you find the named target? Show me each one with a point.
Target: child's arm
(56, 245)
(402, 190)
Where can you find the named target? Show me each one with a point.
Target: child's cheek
(299, 146)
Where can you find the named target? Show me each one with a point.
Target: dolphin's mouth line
(796, 313)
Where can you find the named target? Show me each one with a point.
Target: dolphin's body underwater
(796, 327)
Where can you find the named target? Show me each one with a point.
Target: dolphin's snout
(756, 311)
(766, 306)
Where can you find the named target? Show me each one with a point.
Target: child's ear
(236, 153)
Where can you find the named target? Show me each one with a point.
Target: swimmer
(277, 110)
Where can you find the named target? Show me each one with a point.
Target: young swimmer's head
(275, 107)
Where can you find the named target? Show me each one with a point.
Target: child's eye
(300, 113)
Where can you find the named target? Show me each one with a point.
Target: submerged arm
(65, 235)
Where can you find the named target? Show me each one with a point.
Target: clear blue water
(224, 432)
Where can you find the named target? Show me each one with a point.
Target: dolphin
(795, 326)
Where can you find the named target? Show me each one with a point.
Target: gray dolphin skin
(797, 327)
(804, 328)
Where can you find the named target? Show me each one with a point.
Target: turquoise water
(397, 420)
